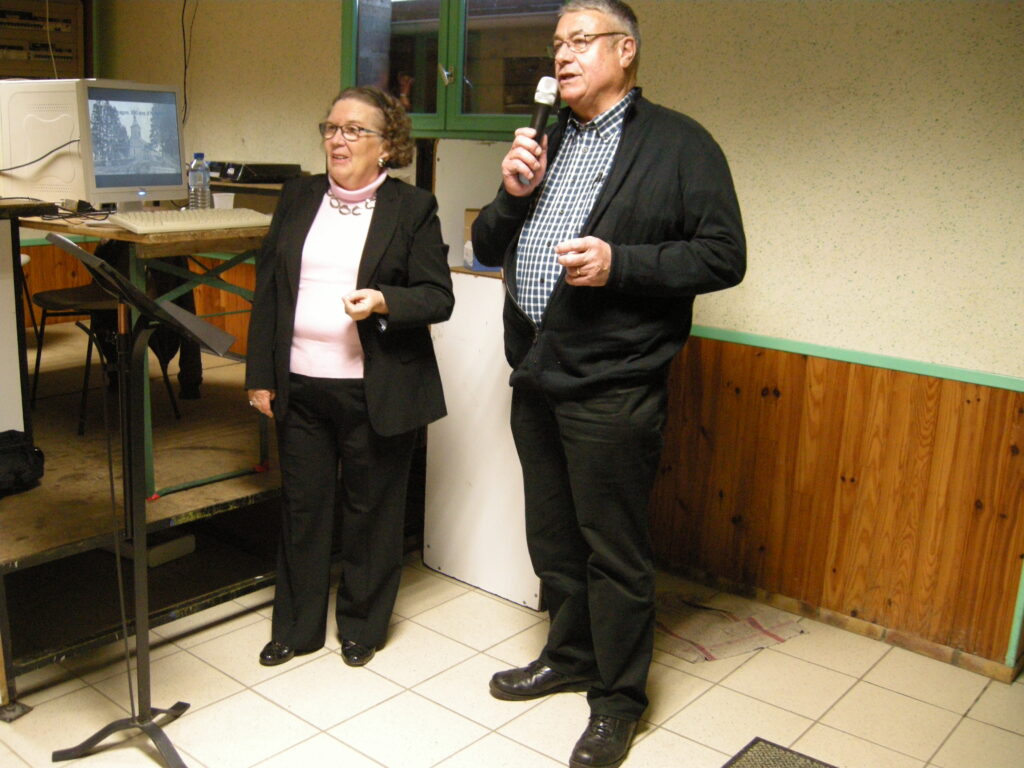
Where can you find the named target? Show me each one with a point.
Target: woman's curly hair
(397, 124)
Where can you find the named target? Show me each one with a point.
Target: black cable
(42, 157)
(186, 45)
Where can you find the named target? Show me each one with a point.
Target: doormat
(695, 632)
(764, 754)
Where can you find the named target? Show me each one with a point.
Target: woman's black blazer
(404, 258)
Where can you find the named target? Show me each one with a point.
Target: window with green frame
(463, 68)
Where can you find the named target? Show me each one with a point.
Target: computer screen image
(135, 138)
(96, 141)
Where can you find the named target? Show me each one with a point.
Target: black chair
(92, 301)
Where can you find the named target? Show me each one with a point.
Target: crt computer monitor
(123, 141)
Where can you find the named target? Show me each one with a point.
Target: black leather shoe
(604, 744)
(356, 654)
(275, 653)
(534, 680)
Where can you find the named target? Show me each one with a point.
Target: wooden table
(146, 252)
(24, 522)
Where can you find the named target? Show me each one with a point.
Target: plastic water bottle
(199, 182)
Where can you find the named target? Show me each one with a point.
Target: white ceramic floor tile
(845, 751)
(669, 690)
(414, 653)
(834, 648)
(321, 750)
(10, 760)
(552, 727)
(262, 600)
(429, 732)
(979, 745)
(712, 671)
(61, 723)
(892, 720)
(1001, 705)
(669, 582)
(137, 752)
(464, 689)
(238, 732)
(237, 654)
(475, 620)
(928, 680)
(790, 683)
(41, 685)
(204, 625)
(664, 749)
(422, 590)
(726, 721)
(108, 660)
(522, 648)
(325, 691)
(495, 751)
(178, 677)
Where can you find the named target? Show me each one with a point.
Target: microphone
(543, 100)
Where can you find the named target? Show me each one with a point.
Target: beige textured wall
(877, 147)
(878, 152)
(261, 72)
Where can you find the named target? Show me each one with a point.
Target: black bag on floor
(21, 463)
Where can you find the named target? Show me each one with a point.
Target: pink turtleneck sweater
(325, 343)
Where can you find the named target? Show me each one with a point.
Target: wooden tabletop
(159, 244)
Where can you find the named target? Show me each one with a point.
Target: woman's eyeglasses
(348, 132)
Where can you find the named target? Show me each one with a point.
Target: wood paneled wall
(211, 301)
(53, 268)
(890, 497)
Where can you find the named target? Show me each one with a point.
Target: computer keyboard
(147, 222)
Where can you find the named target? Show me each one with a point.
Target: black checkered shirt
(568, 192)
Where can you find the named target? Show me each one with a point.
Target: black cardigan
(670, 214)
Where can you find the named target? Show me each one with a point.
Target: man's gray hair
(614, 8)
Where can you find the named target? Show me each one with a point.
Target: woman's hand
(360, 304)
(260, 400)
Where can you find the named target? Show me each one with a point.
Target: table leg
(9, 708)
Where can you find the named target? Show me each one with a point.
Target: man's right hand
(527, 159)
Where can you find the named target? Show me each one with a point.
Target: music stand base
(148, 727)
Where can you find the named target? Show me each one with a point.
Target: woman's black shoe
(356, 654)
(275, 653)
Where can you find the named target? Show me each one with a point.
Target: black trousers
(588, 467)
(334, 467)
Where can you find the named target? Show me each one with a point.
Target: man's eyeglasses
(348, 132)
(577, 43)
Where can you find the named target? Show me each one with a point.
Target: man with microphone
(607, 228)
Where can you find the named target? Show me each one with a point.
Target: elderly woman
(349, 277)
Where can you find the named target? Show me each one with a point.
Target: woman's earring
(380, 162)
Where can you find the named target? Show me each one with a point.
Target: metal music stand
(132, 345)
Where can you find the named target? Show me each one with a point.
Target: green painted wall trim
(950, 372)
(73, 238)
(1013, 649)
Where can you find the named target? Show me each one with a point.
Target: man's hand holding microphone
(524, 165)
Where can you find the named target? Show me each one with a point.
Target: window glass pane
(506, 54)
(398, 44)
